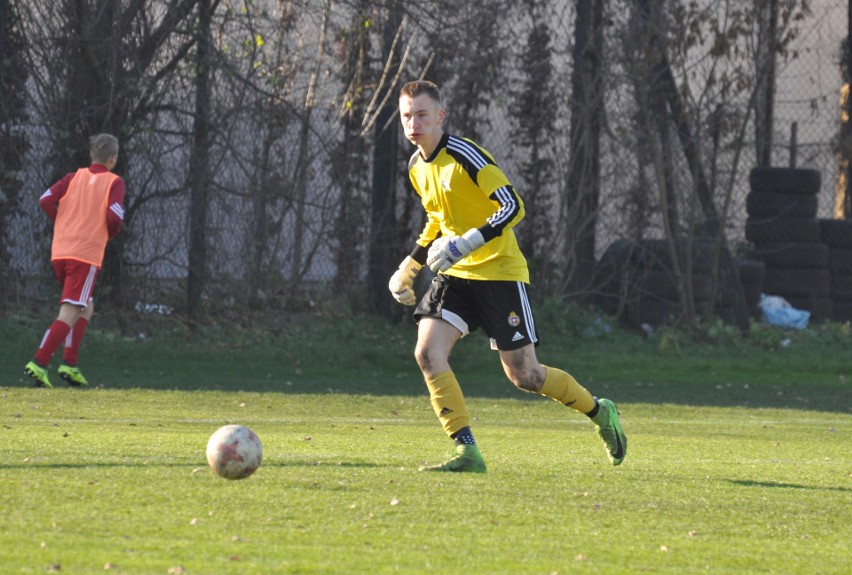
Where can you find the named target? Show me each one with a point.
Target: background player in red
(483, 280)
(87, 207)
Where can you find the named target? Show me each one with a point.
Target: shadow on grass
(785, 394)
(35, 465)
(266, 464)
(315, 463)
(370, 358)
(773, 484)
(780, 395)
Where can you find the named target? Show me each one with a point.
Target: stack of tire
(837, 235)
(752, 274)
(785, 235)
(637, 282)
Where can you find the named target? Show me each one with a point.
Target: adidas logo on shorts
(517, 336)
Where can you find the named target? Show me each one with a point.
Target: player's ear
(442, 115)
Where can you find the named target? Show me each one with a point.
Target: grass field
(738, 463)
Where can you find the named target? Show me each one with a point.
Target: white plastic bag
(778, 311)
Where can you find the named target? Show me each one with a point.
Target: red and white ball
(234, 452)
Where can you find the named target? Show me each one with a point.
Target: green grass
(738, 463)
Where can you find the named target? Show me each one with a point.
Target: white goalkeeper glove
(401, 284)
(446, 251)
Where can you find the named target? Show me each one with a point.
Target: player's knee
(525, 384)
(421, 356)
(524, 379)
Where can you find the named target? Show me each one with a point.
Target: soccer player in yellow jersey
(482, 279)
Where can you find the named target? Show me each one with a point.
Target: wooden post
(794, 143)
(766, 77)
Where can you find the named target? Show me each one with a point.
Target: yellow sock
(560, 386)
(448, 401)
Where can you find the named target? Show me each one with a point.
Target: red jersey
(87, 208)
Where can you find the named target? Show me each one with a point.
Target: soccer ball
(234, 452)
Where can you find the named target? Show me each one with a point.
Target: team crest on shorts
(514, 319)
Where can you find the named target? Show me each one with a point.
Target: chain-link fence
(653, 156)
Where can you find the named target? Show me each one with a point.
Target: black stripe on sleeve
(468, 155)
(510, 205)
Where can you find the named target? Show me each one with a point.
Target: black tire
(661, 284)
(840, 261)
(657, 255)
(652, 312)
(821, 309)
(780, 205)
(657, 312)
(751, 271)
(781, 230)
(798, 283)
(836, 233)
(785, 180)
(843, 310)
(751, 295)
(727, 314)
(752, 276)
(841, 288)
(614, 276)
(793, 255)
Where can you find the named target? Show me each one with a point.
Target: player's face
(422, 118)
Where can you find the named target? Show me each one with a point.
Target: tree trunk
(382, 208)
(583, 192)
(14, 142)
(199, 168)
(764, 116)
(258, 238)
(350, 169)
(691, 151)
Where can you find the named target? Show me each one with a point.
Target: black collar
(441, 145)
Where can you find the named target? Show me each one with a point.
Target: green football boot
(38, 373)
(467, 458)
(72, 376)
(609, 428)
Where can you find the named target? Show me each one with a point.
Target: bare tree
(469, 41)
(349, 171)
(268, 182)
(13, 138)
(199, 161)
(269, 131)
(535, 105)
(767, 15)
(587, 97)
(385, 148)
(103, 66)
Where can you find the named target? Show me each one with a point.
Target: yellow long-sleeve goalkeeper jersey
(461, 188)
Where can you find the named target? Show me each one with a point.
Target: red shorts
(77, 279)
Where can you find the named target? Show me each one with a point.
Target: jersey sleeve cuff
(488, 232)
(419, 254)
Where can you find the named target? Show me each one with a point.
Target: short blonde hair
(417, 87)
(103, 147)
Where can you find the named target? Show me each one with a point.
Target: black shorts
(501, 308)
